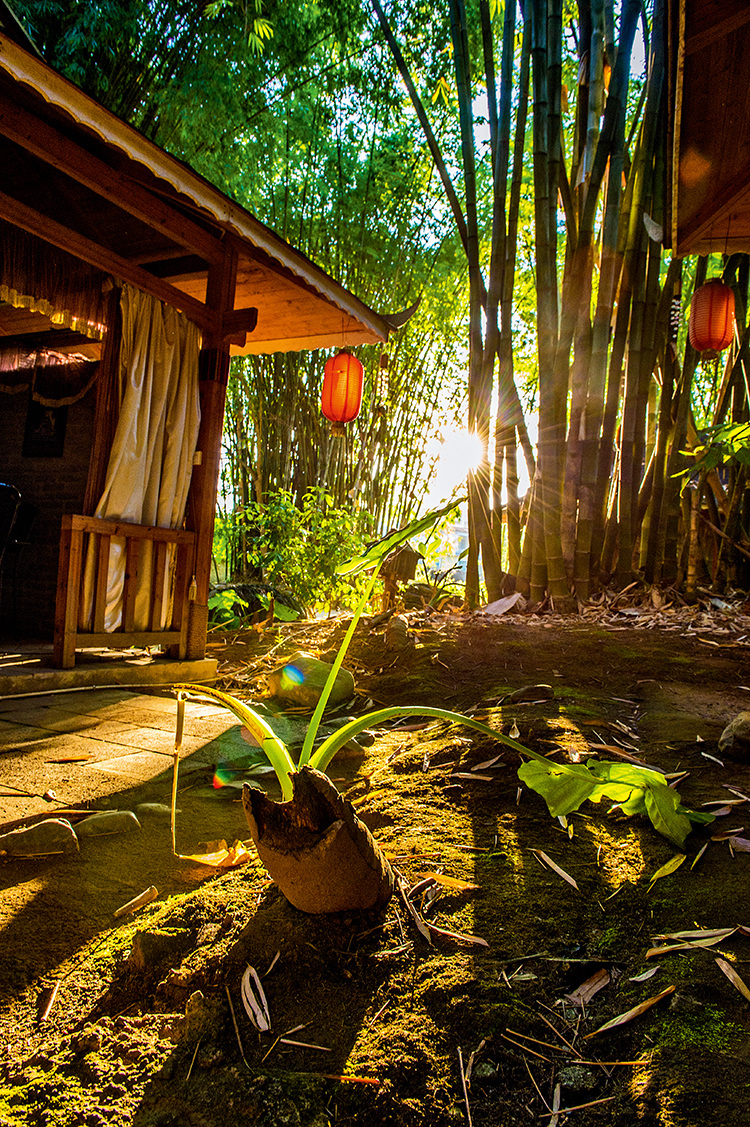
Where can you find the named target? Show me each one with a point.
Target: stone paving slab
(132, 769)
(51, 719)
(120, 740)
(19, 734)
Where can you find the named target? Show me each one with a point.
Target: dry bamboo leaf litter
(541, 855)
(630, 1015)
(734, 978)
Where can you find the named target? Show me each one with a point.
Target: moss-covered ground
(148, 1027)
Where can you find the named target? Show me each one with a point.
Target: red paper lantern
(341, 400)
(712, 317)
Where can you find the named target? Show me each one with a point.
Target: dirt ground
(148, 1026)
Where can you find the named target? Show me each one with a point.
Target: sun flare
(460, 452)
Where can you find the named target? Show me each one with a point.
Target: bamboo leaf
(556, 868)
(667, 869)
(449, 882)
(734, 978)
(630, 1015)
(590, 987)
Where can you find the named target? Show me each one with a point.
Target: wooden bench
(79, 626)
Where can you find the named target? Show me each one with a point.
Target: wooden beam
(68, 157)
(240, 321)
(52, 339)
(79, 246)
(719, 30)
(214, 372)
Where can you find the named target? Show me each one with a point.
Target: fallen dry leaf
(709, 941)
(458, 935)
(697, 933)
(589, 988)
(491, 763)
(448, 882)
(734, 978)
(556, 868)
(629, 1015)
(220, 855)
(473, 776)
(646, 974)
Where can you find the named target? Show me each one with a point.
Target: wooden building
(709, 124)
(99, 225)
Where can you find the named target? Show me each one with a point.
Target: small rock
(301, 680)
(576, 1078)
(203, 1016)
(735, 739)
(55, 835)
(89, 1040)
(154, 810)
(108, 822)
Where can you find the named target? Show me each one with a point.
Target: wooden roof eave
(720, 222)
(203, 196)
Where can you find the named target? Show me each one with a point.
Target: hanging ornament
(712, 318)
(341, 400)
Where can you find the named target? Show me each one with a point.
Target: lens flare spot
(291, 676)
(222, 776)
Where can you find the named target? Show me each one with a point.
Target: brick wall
(56, 486)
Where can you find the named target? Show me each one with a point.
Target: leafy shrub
(295, 548)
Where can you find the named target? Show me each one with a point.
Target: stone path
(88, 746)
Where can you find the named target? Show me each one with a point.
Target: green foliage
(634, 790)
(223, 606)
(277, 753)
(723, 444)
(294, 548)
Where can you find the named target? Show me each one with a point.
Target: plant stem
(317, 716)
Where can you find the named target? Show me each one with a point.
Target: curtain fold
(150, 464)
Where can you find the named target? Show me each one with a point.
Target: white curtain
(150, 465)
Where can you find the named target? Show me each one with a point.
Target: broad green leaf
(377, 553)
(625, 773)
(636, 804)
(700, 817)
(563, 788)
(620, 793)
(635, 790)
(661, 805)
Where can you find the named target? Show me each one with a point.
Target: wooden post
(213, 374)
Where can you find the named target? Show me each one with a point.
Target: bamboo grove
(615, 383)
(505, 164)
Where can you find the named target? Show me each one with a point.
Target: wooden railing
(82, 627)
